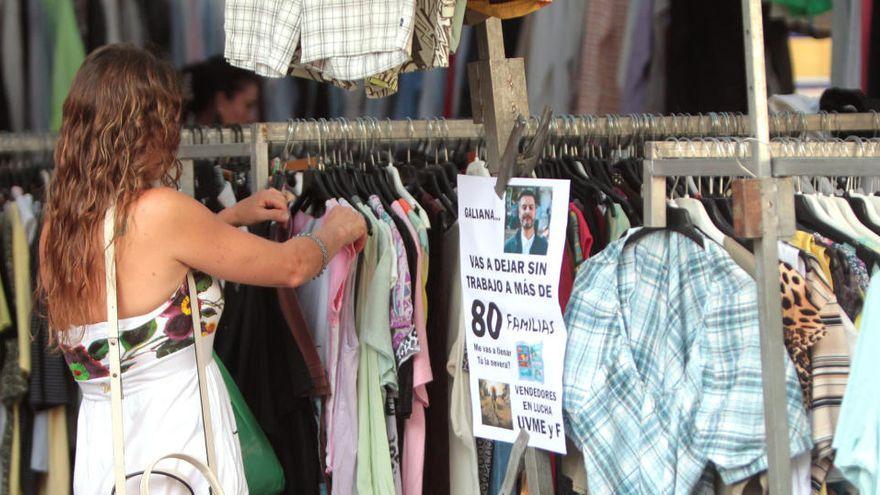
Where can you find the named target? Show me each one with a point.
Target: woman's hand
(267, 204)
(343, 226)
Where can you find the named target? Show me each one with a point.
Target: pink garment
(584, 235)
(414, 432)
(338, 349)
(344, 406)
(343, 389)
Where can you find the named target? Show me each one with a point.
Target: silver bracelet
(325, 255)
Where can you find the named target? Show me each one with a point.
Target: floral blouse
(167, 329)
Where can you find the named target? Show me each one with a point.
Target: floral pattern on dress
(167, 333)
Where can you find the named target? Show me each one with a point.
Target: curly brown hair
(119, 136)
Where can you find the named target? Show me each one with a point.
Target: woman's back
(116, 151)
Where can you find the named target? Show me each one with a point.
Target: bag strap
(113, 342)
(201, 364)
(207, 472)
(116, 375)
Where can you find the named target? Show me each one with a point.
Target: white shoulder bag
(116, 384)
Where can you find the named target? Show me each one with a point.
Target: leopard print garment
(802, 327)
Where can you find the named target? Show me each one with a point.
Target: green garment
(805, 7)
(618, 223)
(457, 22)
(376, 369)
(68, 53)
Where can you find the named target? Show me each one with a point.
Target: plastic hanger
(873, 209)
(865, 212)
(688, 231)
(847, 212)
(401, 191)
(823, 213)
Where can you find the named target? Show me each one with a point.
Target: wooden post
(498, 97)
(498, 90)
(767, 257)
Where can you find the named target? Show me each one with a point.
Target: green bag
(261, 467)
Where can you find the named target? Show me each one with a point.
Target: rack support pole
(498, 90)
(498, 97)
(187, 169)
(259, 158)
(767, 257)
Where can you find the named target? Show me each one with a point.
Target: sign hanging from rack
(511, 257)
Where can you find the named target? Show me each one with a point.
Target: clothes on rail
(256, 343)
(39, 401)
(824, 270)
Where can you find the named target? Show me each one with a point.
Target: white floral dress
(161, 408)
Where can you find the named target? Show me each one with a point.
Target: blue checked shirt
(663, 368)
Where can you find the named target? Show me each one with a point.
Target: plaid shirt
(663, 369)
(354, 39)
(262, 35)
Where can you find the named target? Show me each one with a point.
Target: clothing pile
(345, 41)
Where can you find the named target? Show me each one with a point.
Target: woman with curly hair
(116, 152)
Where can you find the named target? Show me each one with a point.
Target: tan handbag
(116, 383)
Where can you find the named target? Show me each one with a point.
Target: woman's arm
(197, 238)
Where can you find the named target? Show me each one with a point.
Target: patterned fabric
(830, 371)
(431, 32)
(574, 239)
(846, 285)
(858, 267)
(484, 464)
(801, 325)
(430, 46)
(860, 271)
(352, 39)
(662, 370)
(403, 331)
(14, 386)
(169, 330)
(262, 36)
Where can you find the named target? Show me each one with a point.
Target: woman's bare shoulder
(163, 206)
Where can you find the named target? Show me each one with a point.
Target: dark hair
(527, 192)
(202, 81)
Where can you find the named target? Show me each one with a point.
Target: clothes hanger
(851, 218)
(700, 218)
(823, 212)
(688, 231)
(397, 184)
(864, 211)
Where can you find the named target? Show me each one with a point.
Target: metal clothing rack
(788, 159)
(227, 142)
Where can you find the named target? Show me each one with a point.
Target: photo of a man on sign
(528, 209)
